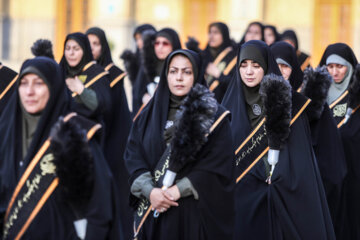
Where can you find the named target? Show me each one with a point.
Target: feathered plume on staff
(195, 119)
(277, 99)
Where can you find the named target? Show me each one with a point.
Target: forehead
(163, 39)
(180, 61)
(93, 37)
(72, 43)
(31, 76)
(254, 27)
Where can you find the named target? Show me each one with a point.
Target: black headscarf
(141, 28)
(172, 36)
(247, 29)
(225, 34)
(105, 56)
(11, 126)
(84, 43)
(234, 99)
(274, 30)
(290, 35)
(342, 50)
(151, 122)
(287, 53)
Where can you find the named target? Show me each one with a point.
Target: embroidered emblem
(82, 78)
(340, 110)
(256, 109)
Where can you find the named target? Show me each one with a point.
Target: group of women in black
(236, 141)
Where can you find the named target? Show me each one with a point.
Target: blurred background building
(316, 22)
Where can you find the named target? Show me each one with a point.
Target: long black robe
(210, 217)
(55, 219)
(325, 137)
(118, 130)
(219, 86)
(6, 77)
(294, 205)
(88, 69)
(148, 69)
(350, 139)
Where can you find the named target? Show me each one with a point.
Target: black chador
(303, 58)
(118, 130)
(279, 192)
(133, 60)
(325, 136)
(224, 58)
(54, 180)
(95, 101)
(199, 135)
(344, 102)
(7, 80)
(151, 67)
(259, 25)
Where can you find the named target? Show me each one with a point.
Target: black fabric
(149, 65)
(287, 53)
(118, 127)
(105, 55)
(350, 134)
(84, 43)
(342, 50)
(208, 57)
(55, 219)
(143, 27)
(242, 41)
(6, 76)
(211, 216)
(290, 35)
(101, 86)
(275, 32)
(271, 211)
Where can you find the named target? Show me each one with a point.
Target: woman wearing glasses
(157, 46)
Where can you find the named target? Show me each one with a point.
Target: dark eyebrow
(181, 68)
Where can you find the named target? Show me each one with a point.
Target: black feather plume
(131, 64)
(316, 87)
(354, 89)
(195, 119)
(193, 44)
(149, 57)
(74, 162)
(42, 47)
(277, 99)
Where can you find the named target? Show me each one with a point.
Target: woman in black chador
(290, 37)
(87, 81)
(271, 35)
(7, 79)
(325, 136)
(254, 31)
(120, 123)
(344, 101)
(182, 131)
(133, 60)
(279, 192)
(219, 59)
(54, 180)
(157, 46)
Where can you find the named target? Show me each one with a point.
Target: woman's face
(285, 70)
(95, 45)
(139, 41)
(269, 36)
(162, 47)
(34, 93)
(337, 71)
(73, 53)
(180, 75)
(251, 73)
(215, 37)
(253, 33)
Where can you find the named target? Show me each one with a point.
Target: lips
(179, 86)
(30, 102)
(249, 79)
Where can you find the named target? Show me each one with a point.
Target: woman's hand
(212, 70)
(75, 85)
(173, 192)
(161, 200)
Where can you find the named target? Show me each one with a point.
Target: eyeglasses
(164, 43)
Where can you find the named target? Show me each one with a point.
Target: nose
(179, 76)
(30, 89)
(249, 70)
